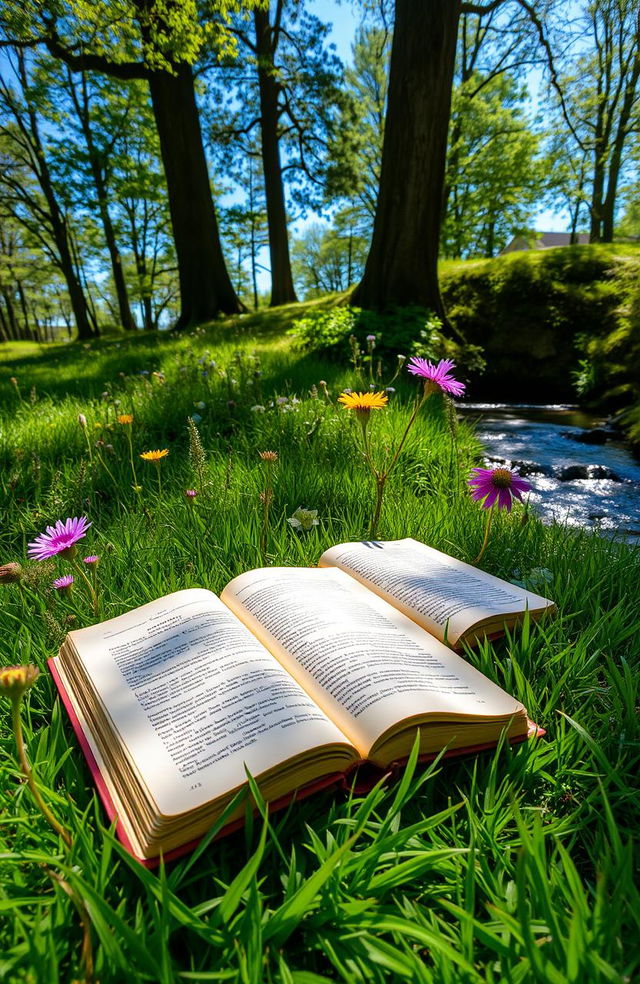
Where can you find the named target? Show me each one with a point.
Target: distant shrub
(405, 331)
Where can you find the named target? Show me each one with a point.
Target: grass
(513, 866)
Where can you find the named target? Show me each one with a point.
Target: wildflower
(160, 376)
(59, 539)
(371, 340)
(200, 405)
(258, 408)
(303, 519)
(125, 419)
(13, 381)
(436, 377)
(271, 456)
(390, 389)
(197, 419)
(496, 485)
(363, 403)
(63, 584)
(155, 456)
(82, 420)
(190, 494)
(105, 396)
(15, 680)
(92, 560)
(401, 359)
(10, 573)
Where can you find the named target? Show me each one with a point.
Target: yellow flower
(154, 455)
(14, 680)
(363, 402)
(125, 418)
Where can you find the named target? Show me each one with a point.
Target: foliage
(514, 865)
(330, 259)
(531, 312)
(494, 176)
(407, 331)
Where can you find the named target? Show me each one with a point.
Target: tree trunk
(282, 289)
(402, 263)
(98, 175)
(205, 286)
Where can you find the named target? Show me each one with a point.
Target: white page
(364, 662)
(195, 697)
(436, 589)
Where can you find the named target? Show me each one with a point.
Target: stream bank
(582, 472)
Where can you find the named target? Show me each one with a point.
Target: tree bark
(205, 286)
(402, 264)
(282, 289)
(97, 173)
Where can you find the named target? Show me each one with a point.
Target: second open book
(295, 674)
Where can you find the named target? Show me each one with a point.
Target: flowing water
(596, 486)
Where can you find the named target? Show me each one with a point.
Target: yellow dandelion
(154, 455)
(125, 418)
(363, 402)
(14, 680)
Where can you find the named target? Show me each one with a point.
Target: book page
(194, 697)
(442, 594)
(364, 662)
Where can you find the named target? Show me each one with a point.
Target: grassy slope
(511, 867)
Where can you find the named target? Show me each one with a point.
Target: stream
(581, 472)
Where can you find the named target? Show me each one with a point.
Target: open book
(294, 674)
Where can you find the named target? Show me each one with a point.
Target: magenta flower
(436, 376)
(191, 493)
(496, 484)
(63, 584)
(59, 538)
(91, 560)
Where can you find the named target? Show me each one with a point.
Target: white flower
(200, 404)
(303, 519)
(258, 408)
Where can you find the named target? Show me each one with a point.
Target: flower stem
(28, 774)
(133, 467)
(381, 480)
(95, 600)
(487, 530)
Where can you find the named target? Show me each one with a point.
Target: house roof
(544, 240)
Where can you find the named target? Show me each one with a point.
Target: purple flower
(59, 538)
(191, 493)
(91, 561)
(438, 376)
(496, 484)
(63, 584)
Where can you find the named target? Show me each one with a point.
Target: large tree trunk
(402, 263)
(124, 308)
(282, 289)
(205, 286)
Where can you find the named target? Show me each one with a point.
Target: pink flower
(63, 584)
(499, 484)
(436, 376)
(59, 538)
(91, 561)
(191, 493)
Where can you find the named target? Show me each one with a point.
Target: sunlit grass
(509, 867)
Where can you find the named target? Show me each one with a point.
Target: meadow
(509, 867)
